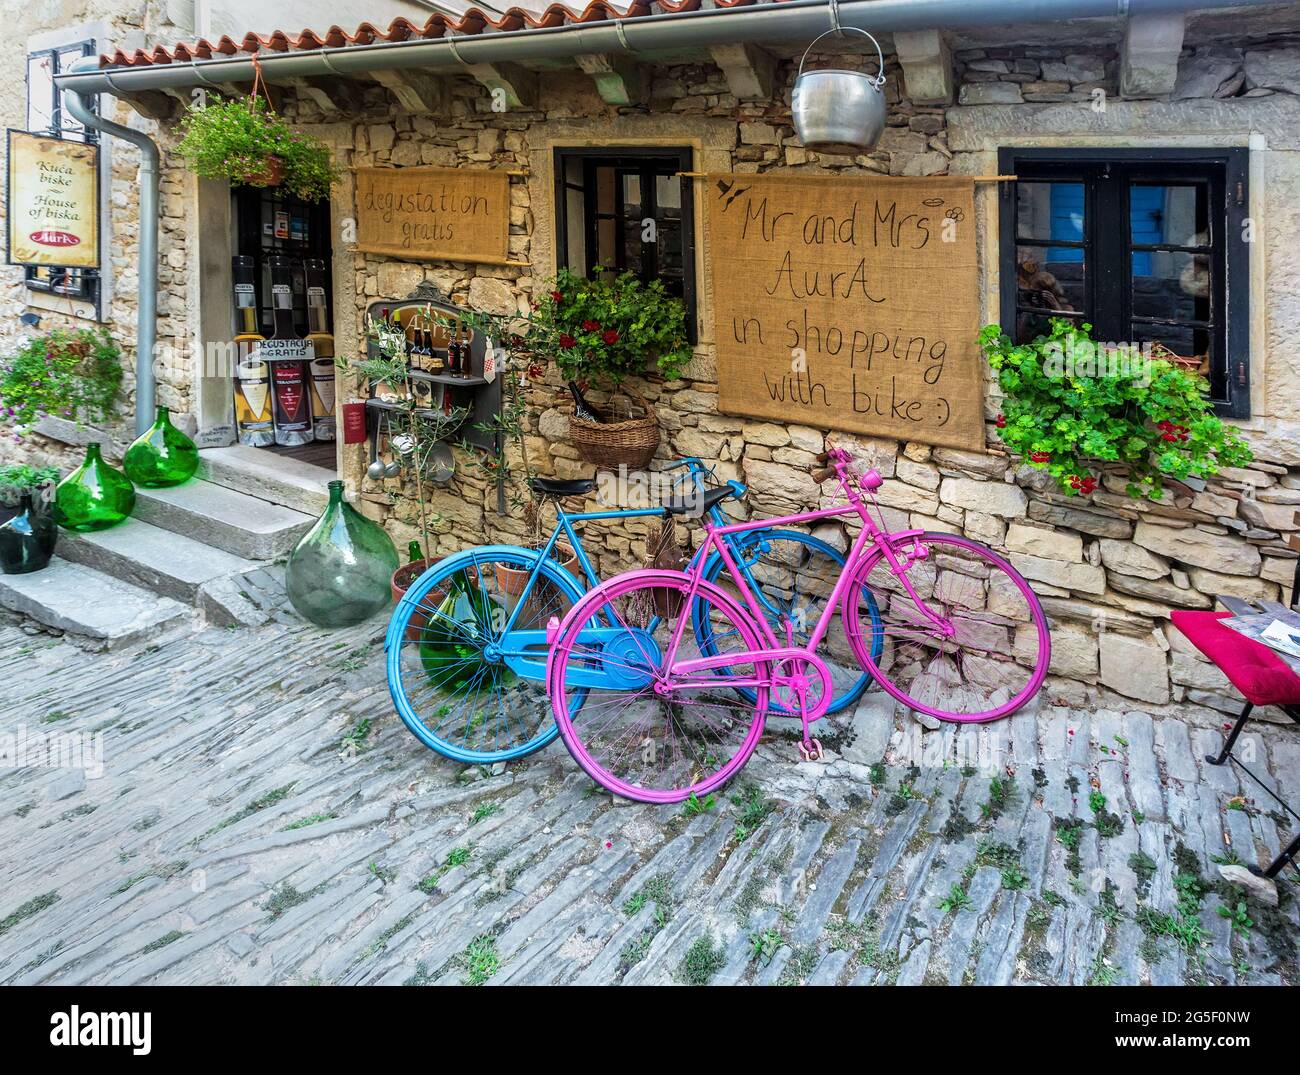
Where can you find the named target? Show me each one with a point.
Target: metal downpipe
(147, 270)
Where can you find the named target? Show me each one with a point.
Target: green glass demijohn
(162, 455)
(95, 496)
(341, 572)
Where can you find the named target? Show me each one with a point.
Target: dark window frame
(652, 161)
(1108, 176)
(87, 281)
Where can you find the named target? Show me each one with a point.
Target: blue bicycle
(467, 645)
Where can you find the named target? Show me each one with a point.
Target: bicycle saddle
(699, 503)
(562, 486)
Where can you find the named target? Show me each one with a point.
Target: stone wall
(1108, 568)
(109, 25)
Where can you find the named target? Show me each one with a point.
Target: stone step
(167, 563)
(81, 601)
(268, 476)
(223, 518)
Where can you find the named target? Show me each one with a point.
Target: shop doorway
(281, 247)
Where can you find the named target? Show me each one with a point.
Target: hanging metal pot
(839, 111)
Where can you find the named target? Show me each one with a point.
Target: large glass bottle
(95, 496)
(27, 532)
(252, 378)
(287, 354)
(452, 642)
(322, 342)
(341, 572)
(162, 455)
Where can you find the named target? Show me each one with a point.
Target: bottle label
(290, 398)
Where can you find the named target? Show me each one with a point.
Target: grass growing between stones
(703, 960)
(754, 809)
(862, 939)
(262, 802)
(480, 959)
(34, 906)
(457, 856)
(162, 942)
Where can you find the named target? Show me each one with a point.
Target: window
(629, 210)
(268, 221)
(1146, 245)
(45, 115)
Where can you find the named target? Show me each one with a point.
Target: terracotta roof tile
(473, 20)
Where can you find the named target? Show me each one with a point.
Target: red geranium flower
(610, 336)
(558, 296)
(590, 326)
(1040, 457)
(1002, 421)
(566, 340)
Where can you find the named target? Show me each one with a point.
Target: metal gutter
(765, 22)
(147, 314)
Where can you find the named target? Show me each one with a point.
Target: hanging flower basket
(245, 142)
(271, 174)
(615, 441)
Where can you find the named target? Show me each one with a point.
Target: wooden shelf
(448, 378)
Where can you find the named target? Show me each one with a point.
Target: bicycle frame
(528, 664)
(776, 649)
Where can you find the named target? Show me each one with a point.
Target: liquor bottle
(252, 379)
(581, 408)
(456, 355)
(289, 385)
(322, 341)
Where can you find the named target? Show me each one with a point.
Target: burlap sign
(848, 303)
(446, 214)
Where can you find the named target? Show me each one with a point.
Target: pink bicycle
(655, 710)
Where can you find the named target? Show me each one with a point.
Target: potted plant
(1071, 405)
(28, 531)
(600, 332)
(70, 374)
(245, 142)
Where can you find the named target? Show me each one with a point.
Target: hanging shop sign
(53, 202)
(848, 303)
(447, 214)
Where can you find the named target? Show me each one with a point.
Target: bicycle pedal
(811, 750)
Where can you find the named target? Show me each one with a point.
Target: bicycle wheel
(793, 575)
(463, 685)
(641, 731)
(992, 653)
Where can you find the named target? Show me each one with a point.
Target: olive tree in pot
(420, 429)
(516, 363)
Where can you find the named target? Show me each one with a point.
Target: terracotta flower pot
(513, 580)
(270, 175)
(403, 578)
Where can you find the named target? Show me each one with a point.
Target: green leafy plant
(1072, 405)
(72, 374)
(240, 140)
(17, 479)
(604, 329)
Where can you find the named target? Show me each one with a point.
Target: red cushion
(1255, 670)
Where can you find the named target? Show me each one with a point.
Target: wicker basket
(629, 442)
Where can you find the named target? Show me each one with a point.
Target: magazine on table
(1279, 631)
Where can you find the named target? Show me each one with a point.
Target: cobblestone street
(262, 816)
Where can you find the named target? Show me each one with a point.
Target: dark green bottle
(452, 644)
